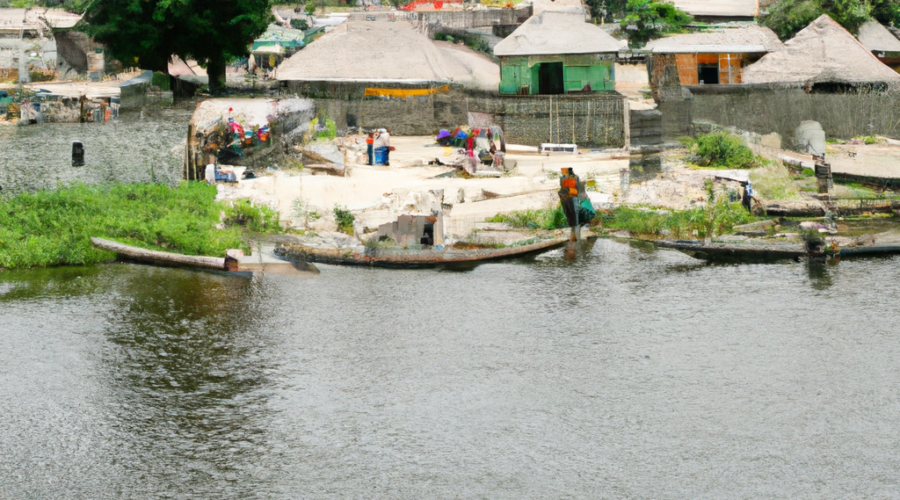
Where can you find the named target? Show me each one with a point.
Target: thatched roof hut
(822, 53)
(875, 37)
(389, 52)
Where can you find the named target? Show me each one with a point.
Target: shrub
(52, 228)
(545, 218)
(722, 149)
(299, 24)
(258, 219)
(647, 19)
(344, 219)
(714, 219)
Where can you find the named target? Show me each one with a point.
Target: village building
(715, 57)
(378, 54)
(823, 57)
(557, 53)
(881, 42)
(36, 41)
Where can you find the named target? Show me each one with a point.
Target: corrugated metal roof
(551, 33)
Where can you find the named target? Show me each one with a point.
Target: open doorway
(708, 74)
(550, 78)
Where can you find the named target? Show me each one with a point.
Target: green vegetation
(703, 222)
(256, 219)
(299, 24)
(787, 17)
(327, 131)
(474, 42)
(51, 228)
(724, 150)
(545, 218)
(774, 182)
(647, 19)
(147, 33)
(344, 219)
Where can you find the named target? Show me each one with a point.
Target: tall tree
(147, 33)
(787, 17)
(648, 19)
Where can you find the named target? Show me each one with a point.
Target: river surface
(623, 372)
(138, 147)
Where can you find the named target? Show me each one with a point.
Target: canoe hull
(402, 258)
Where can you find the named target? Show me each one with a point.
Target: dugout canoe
(156, 257)
(410, 258)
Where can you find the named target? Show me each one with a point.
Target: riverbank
(54, 227)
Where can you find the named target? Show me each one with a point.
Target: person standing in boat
(569, 187)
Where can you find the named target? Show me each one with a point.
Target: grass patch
(703, 222)
(774, 182)
(544, 218)
(344, 219)
(53, 228)
(721, 150)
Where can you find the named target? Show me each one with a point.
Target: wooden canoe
(736, 251)
(156, 257)
(410, 258)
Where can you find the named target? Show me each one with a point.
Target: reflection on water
(618, 373)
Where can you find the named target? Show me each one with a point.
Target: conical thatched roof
(875, 37)
(743, 40)
(551, 33)
(823, 52)
(376, 51)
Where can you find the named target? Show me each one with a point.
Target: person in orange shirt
(568, 197)
(370, 147)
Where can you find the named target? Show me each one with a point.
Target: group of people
(479, 144)
(378, 147)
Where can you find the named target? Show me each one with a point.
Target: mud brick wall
(770, 108)
(592, 120)
(595, 120)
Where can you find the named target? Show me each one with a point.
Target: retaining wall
(591, 120)
(764, 109)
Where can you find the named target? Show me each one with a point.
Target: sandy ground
(366, 190)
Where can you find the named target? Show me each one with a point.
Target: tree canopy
(648, 19)
(147, 33)
(787, 17)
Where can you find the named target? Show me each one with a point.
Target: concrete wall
(593, 120)
(631, 77)
(72, 49)
(764, 109)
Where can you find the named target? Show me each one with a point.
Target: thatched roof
(822, 52)
(719, 8)
(552, 33)
(744, 40)
(376, 51)
(876, 37)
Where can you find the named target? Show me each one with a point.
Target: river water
(623, 372)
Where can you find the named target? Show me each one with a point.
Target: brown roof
(822, 52)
